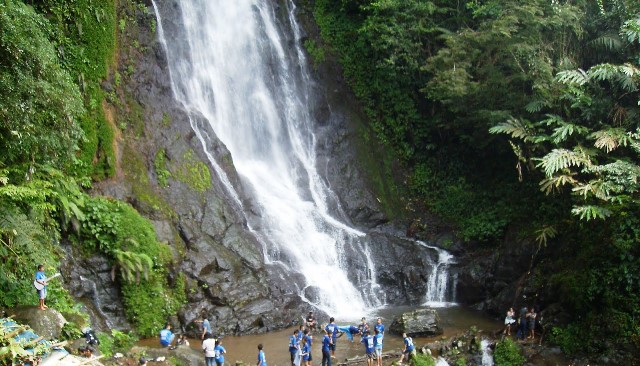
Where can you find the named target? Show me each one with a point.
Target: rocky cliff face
(165, 173)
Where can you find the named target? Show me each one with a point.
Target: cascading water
(440, 284)
(236, 72)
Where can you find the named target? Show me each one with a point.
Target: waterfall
(233, 65)
(440, 284)
(487, 356)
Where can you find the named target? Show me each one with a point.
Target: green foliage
(193, 172)
(507, 353)
(122, 341)
(160, 164)
(150, 303)
(420, 359)
(84, 34)
(70, 331)
(106, 346)
(316, 52)
(39, 104)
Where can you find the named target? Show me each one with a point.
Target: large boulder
(418, 323)
(45, 323)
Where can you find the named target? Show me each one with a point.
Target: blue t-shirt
(206, 326)
(353, 329)
(309, 339)
(326, 342)
(380, 328)
(333, 330)
(220, 351)
(41, 277)
(368, 343)
(166, 336)
(293, 344)
(262, 359)
(307, 350)
(377, 340)
(408, 342)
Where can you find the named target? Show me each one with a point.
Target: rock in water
(421, 322)
(45, 323)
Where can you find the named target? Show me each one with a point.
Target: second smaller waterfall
(441, 285)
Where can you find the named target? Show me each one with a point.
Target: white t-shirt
(209, 346)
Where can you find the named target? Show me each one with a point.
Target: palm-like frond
(631, 30)
(608, 41)
(559, 159)
(513, 127)
(611, 138)
(564, 129)
(548, 185)
(544, 234)
(590, 212)
(578, 77)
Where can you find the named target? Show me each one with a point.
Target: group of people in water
(526, 322)
(301, 341)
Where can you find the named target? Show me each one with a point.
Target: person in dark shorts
(311, 322)
(367, 340)
(332, 329)
(294, 345)
(326, 348)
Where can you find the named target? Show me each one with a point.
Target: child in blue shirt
(408, 350)
(326, 348)
(219, 352)
(377, 343)
(367, 340)
(306, 351)
(262, 360)
(294, 346)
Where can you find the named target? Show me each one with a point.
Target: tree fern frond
(544, 234)
(609, 139)
(609, 41)
(579, 77)
(535, 106)
(548, 185)
(564, 129)
(631, 30)
(559, 159)
(514, 127)
(590, 212)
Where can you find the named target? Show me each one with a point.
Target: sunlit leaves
(591, 212)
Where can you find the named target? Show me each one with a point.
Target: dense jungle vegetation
(514, 115)
(55, 141)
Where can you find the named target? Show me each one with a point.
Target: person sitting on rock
(311, 322)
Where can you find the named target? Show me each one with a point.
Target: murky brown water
(244, 348)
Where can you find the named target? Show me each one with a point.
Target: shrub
(507, 353)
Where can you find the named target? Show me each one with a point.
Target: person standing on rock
(326, 348)
(522, 323)
(332, 329)
(532, 323)
(206, 326)
(262, 359)
(42, 293)
(408, 350)
(508, 321)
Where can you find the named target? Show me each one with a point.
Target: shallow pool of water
(454, 320)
